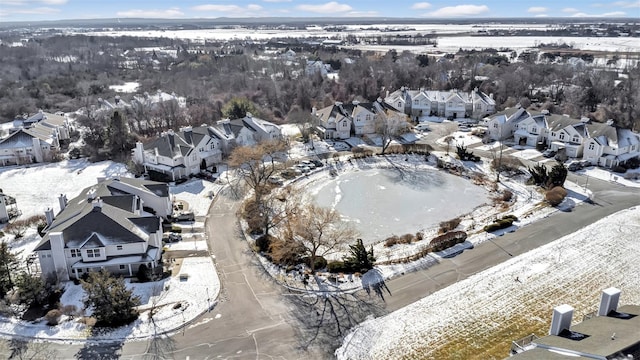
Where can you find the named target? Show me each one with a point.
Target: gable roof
(103, 215)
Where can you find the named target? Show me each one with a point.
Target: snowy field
(571, 270)
(127, 87)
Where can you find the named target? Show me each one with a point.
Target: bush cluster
(447, 240)
(502, 223)
(395, 239)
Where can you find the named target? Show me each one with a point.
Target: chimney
(355, 102)
(314, 110)
(561, 320)
(249, 115)
(62, 200)
(97, 204)
(101, 179)
(48, 214)
(338, 103)
(91, 195)
(608, 301)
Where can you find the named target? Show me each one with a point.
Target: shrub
(619, 169)
(447, 240)
(507, 196)
(69, 310)
(419, 236)
(502, 223)
(406, 239)
(143, 274)
(390, 241)
(264, 242)
(176, 229)
(53, 317)
(449, 225)
(320, 262)
(555, 196)
(336, 266)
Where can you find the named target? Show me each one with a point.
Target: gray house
(114, 225)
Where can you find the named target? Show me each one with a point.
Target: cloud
(460, 10)
(541, 15)
(151, 13)
(276, 1)
(54, 2)
(34, 11)
(537, 9)
(327, 8)
(570, 10)
(232, 9)
(608, 14)
(421, 6)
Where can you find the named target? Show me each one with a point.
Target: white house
(8, 207)
(502, 125)
(105, 227)
(609, 146)
(450, 104)
(178, 155)
(341, 121)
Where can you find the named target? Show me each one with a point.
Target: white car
(422, 127)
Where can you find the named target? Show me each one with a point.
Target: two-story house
(341, 121)
(108, 226)
(450, 104)
(334, 122)
(609, 146)
(566, 134)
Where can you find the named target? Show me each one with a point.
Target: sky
(35, 10)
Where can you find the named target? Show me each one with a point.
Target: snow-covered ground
(570, 270)
(37, 187)
(195, 295)
(127, 87)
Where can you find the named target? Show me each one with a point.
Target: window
(93, 253)
(553, 134)
(495, 125)
(79, 271)
(201, 149)
(399, 104)
(592, 146)
(344, 124)
(561, 136)
(575, 139)
(368, 117)
(534, 130)
(75, 253)
(121, 267)
(118, 247)
(213, 146)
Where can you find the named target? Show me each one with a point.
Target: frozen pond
(385, 202)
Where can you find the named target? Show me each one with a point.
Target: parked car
(574, 166)
(422, 127)
(276, 180)
(304, 169)
(549, 153)
(173, 237)
(317, 163)
(308, 164)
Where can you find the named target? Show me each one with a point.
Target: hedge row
(447, 240)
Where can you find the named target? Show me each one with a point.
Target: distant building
(114, 225)
(613, 333)
(8, 207)
(449, 104)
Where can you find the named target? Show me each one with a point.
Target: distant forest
(67, 72)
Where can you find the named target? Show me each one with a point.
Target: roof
(103, 215)
(607, 336)
(170, 145)
(21, 138)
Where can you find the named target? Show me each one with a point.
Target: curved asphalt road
(251, 320)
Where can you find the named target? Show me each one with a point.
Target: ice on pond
(419, 199)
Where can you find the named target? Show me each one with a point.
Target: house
(610, 333)
(110, 225)
(8, 207)
(601, 144)
(179, 154)
(609, 146)
(314, 67)
(450, 104)
(341, 121)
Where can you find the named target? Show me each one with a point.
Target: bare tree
(388, 126)
(321, 231)
(257, 164)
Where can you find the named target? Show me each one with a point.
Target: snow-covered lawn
(37, 187)
(127, 87)
(197, 193)
(195, 295)
(492, 308)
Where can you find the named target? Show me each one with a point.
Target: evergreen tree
(8, 265)
(31, 288)
(359, 259)
(112, 303)
(238, 108)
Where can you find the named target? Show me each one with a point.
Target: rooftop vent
(608, 301)
(561, 320)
